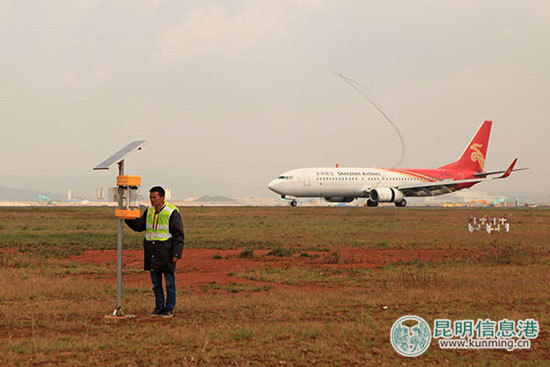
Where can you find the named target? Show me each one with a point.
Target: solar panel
(121, 154)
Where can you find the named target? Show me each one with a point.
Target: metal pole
(118, 311)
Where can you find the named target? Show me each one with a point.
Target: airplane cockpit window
(285, 177)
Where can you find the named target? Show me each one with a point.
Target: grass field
(269, 286)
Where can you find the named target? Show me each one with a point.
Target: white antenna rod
(354, 86)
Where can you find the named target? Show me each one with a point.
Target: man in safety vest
(163, 246)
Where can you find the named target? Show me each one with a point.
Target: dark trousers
(156, 279)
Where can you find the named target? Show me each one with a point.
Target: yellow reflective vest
(157, 224)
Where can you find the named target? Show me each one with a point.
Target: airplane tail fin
(473, 157)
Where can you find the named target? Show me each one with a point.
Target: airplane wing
(436, 187)
(447, 186)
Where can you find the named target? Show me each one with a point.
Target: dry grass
(51, 316)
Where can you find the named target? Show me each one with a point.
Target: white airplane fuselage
(340, 182)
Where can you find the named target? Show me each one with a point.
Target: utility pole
(127, 185)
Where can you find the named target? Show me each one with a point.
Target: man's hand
(175, 259)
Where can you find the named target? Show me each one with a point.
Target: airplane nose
(273, 186)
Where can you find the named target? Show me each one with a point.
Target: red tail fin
(474, 155)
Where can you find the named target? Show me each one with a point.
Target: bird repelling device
(127, 187)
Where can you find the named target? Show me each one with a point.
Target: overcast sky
(230, 94)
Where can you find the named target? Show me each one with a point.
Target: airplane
(391, 185)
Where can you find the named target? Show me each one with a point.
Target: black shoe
(156, 312)
(167, 314)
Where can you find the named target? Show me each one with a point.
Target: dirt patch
(200, 270)
(366, 258)
(211, 270)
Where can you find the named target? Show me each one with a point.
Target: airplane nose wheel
(293, 203)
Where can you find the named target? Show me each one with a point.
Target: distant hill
(11, 194)
(216, 199)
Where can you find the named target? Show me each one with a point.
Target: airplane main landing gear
(293, 203)
(372, 203)
(402, 203)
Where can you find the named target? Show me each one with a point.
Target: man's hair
(158, 189)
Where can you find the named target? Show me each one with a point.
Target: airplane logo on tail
(477, 155)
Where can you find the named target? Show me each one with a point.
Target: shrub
(332, 258)
(246, 253)
(280, 252)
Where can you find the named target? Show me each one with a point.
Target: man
(162, 247)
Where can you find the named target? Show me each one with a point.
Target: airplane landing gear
(402, 203)
(372, 203)
(293, 203)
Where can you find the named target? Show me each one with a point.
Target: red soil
(199, 270)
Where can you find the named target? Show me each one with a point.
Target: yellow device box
(125, 180)
(127, 213)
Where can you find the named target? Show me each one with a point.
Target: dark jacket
(157, 255)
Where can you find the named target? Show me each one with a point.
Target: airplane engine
(339, 199)
(386, 195)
